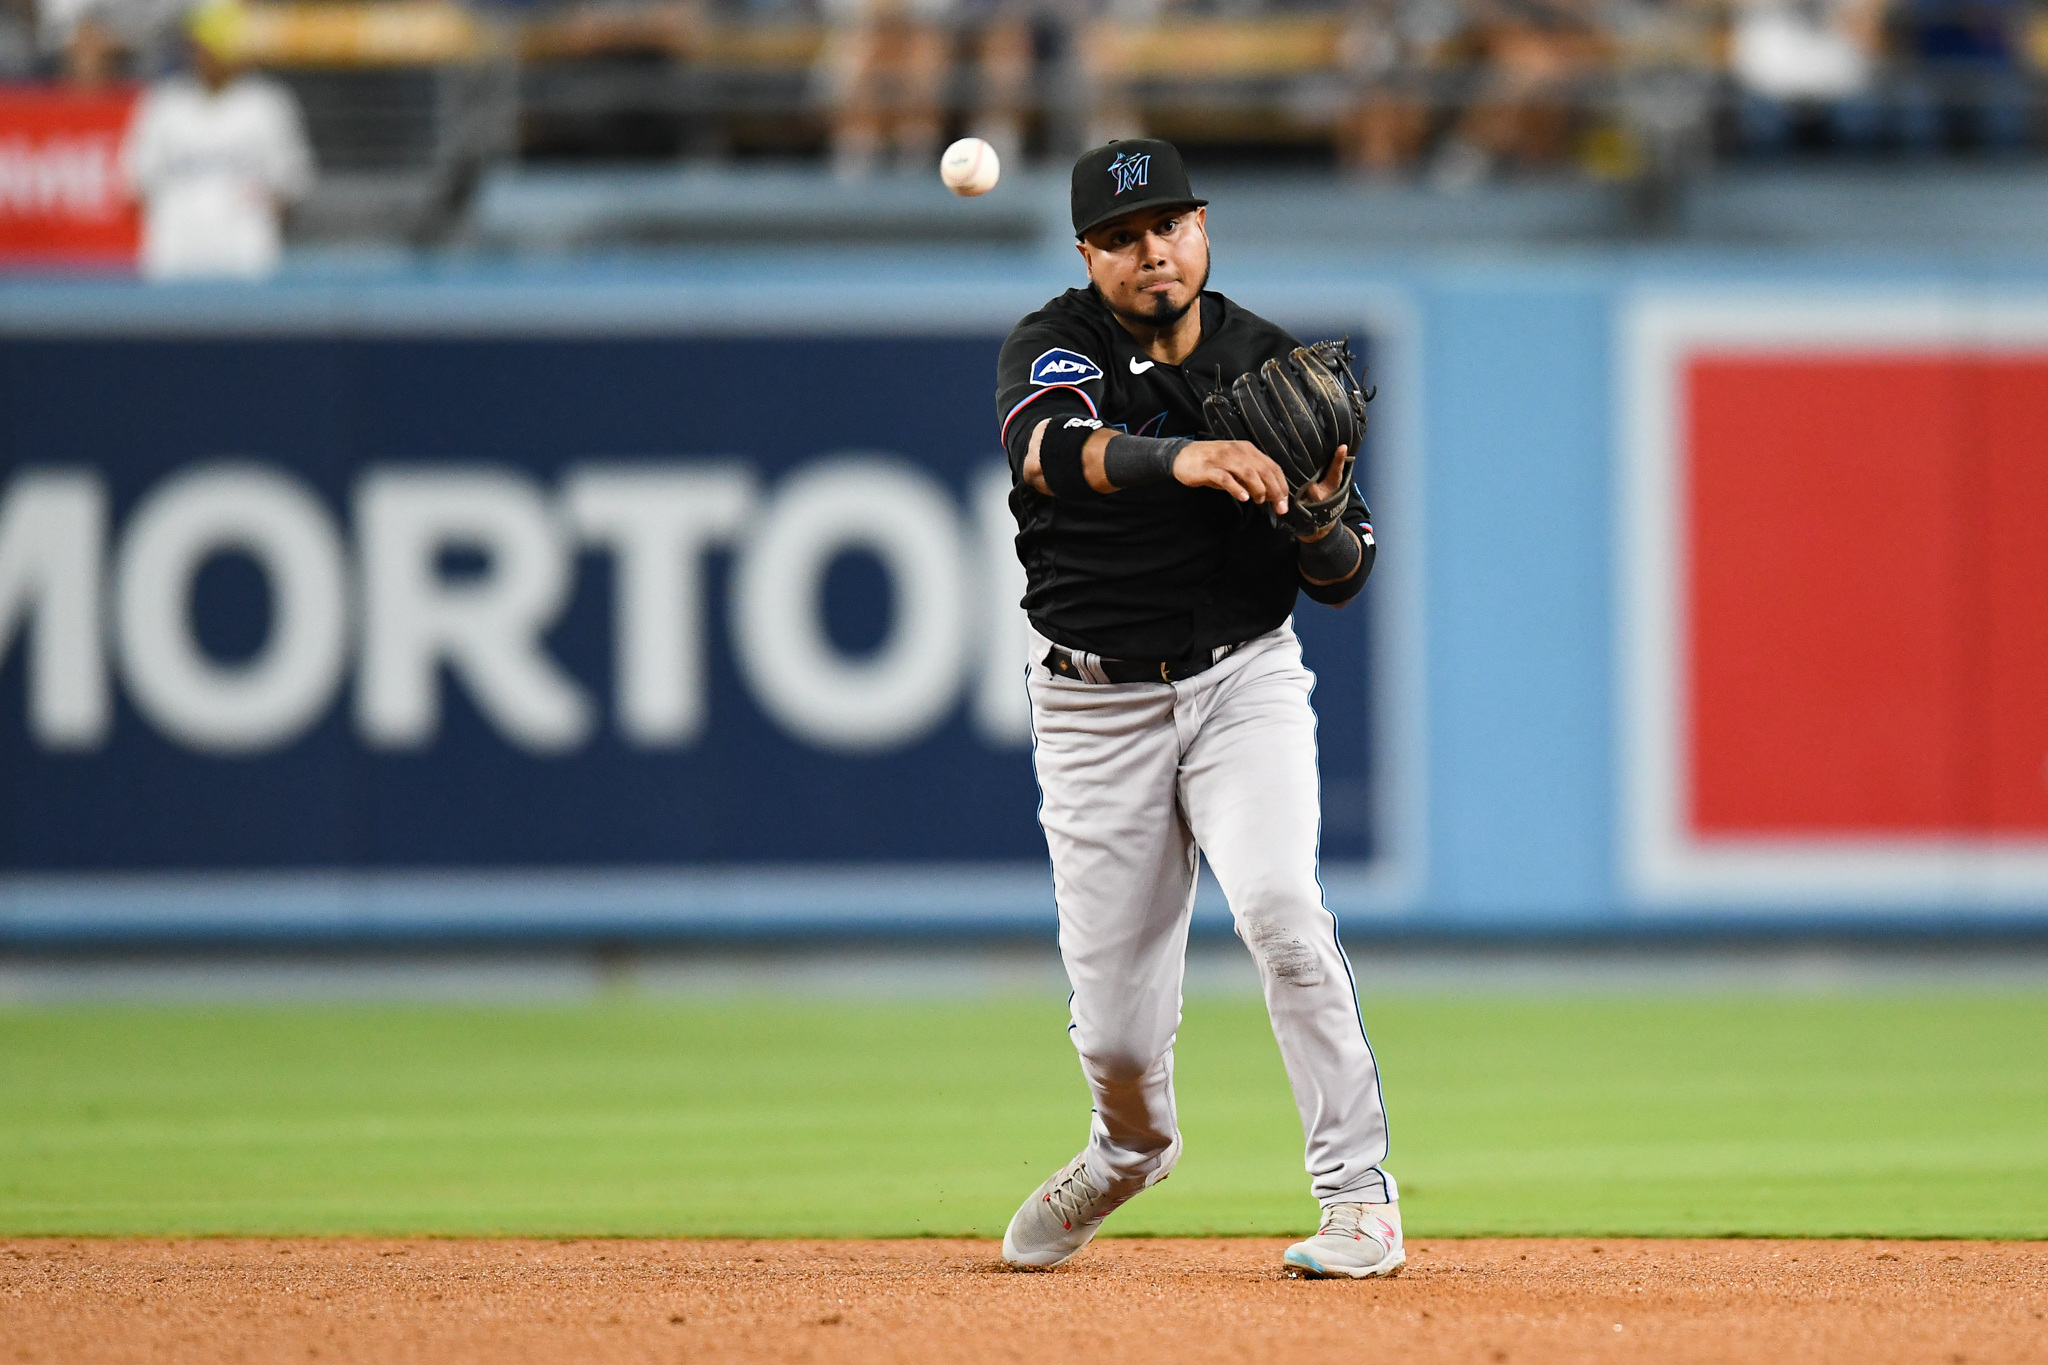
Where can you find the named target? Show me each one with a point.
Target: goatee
(1163, 315)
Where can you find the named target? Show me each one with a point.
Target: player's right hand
(1239, 468)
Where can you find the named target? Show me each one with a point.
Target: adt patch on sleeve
(1059, 366)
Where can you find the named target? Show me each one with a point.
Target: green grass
(1903, 1115)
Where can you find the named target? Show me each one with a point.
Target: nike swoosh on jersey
(1138, 367)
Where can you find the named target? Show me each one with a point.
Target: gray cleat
(1356, 1241)
(1059, 1218)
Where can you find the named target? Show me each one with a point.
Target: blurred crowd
(1454, 89)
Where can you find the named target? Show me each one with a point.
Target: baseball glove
(1297, 409)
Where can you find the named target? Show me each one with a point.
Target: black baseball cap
(1123, 177)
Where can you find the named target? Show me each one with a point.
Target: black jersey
(1161, 571)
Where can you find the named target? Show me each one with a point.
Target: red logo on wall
(62, 198)
(1869, 575)
(1835, 580)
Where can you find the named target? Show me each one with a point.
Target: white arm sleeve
(288, 157)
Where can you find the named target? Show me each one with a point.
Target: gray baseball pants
(1135, 778)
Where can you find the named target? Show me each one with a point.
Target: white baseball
(970, 167)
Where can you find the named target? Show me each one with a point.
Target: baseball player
(1169, 702)
(216, 157)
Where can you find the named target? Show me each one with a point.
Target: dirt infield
(1132, 1302)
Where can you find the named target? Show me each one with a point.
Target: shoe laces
(1342, 1220)
(1348, 1220)
(1072, 1196)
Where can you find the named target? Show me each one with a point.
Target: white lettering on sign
(283, 689)
(52, 529)
(415, 618)
(484, 628)
(658, 521)
(76, 176)
(901, 691)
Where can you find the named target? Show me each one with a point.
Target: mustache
(1162, 313)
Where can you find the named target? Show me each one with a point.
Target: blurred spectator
(1009, 41)
(669, 29)
(1664, 70)
(1536, 59)
(885, 66)
(1005, 48)
(621, 49)
(1110, 103)
(1965, 76)
(889, 65)
(1399, 54)
(1807, 60)
(106, 40)
(216, 157)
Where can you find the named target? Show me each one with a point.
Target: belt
(1082, 666)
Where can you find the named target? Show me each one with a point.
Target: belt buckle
(1165, 671)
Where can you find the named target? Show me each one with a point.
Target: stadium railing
(404, 100)
(408, 98)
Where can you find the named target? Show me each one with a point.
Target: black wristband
(1332, 559)
(1059, 456)
(1133, 460)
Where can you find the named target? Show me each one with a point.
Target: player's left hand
(1327, 486)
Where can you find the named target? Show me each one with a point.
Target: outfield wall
(667, 599)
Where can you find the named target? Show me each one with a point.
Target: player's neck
(1172, 343)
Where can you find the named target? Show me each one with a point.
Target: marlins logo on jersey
(1059, 366)
(1130, 172)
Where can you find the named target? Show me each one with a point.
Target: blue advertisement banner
(271, 604)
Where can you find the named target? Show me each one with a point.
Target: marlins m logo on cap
(1130, 171)
(1123, 177)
